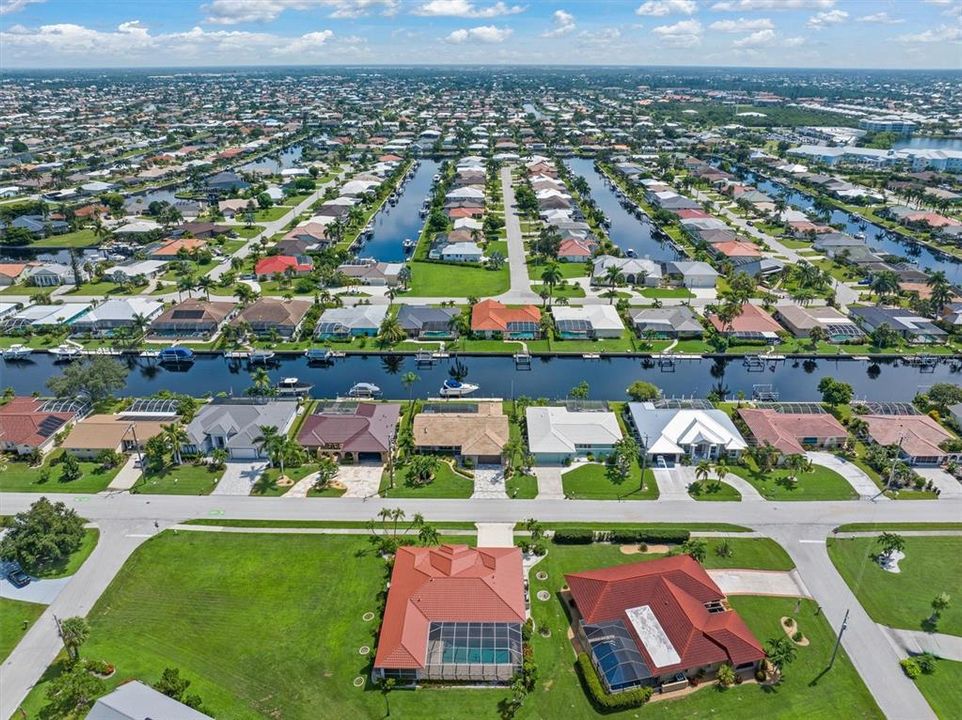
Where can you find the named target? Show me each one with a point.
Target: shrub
(788, 622)
(797, 636)
(600, 698)
(651, 536)
(576, 536)
(910, 667)
(926, 663)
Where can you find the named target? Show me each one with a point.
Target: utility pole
(891, 477)
(838, 640)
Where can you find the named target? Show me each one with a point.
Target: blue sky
(779, 33)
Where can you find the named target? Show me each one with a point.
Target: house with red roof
(362, 431)
(690, 213)
(751, 323)
(26, 425)
(491, 319)
(792, 433)
(272, 265)
(454, 614)
(658, 622)
(575, 250)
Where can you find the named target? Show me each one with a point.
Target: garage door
(243, 453)
(489, 459)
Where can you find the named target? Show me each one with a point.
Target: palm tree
(613, 276)
(391, 331)
(245, 293)
(940, 291)
(703, 470)
(885, 283)
(551, 276)
(781, 652)
(74, 632)
(261, 382)
(408, 379)
(271, 442)
(721, 470)
(176, 437)
(205, 283)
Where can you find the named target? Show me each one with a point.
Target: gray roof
(691, 267)
(679, 318)
(414, 317)
(239, 422)
(136, 701)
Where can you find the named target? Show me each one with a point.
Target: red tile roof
(734, 248)
(751, 319)
(920, 435)
(690, 214)
(676, 590)
(574, 248)
(784, 431)
(369, 429)
(492, 315)
(279, 264)
(450, 583)
(23, 423)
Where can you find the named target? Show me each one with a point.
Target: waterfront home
(491, 319)
(792, 433)
(51, 274)
(462, 252)
(139, 230)
(363, 432)
(675, 321)
(37, 225)
(453, 614)
(372, 272)
(203, 230)
(587, 322)
(294, 245)
(267, 267)
(836, 244)
(426, 322)
(235, 426)
(10, 273)
(576, 250)
(558, 436)
(136, 701)
(39, 316)
(476, 431)
(634, 271)
(226, 181)
(96, 433)
(919, 438)
(236, 206)
(669, 434)
(28, 426)
(267, 315)
(657, 624)
(312, 233)
(193, 318)
(108, 317)
(172, 249)
(907, 323)
(691, 274)
(346, 322)
(752, 323)
(127, 271)
(801, 320)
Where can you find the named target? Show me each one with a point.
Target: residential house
(37, 225)
(132, 269)
(426, 322)
(108, 317)
(39, 316)
(801, 320)
(10, 273)
(750, 324)
(51, 275)
(462, 252)
(236, 207)
(193, 318)
(907, 323)
(491, 319)
(658, 623)
(226, 181)
(27, 426)
(372, 272)
(558, 436)
(474, 431)
(136, 701)
(576, 250)
(363, 432)
(675, 321)
(691, 274)
(453, 614)
(204, 230)
(669, 434)
(347, 322)
(235, 426)
(267, 315)
(634, 271)
(96, 433)
(267, 267)
(793, 433)
(172, 249)
(587, 322)
(919, 438)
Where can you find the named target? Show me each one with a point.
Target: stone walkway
(550, 486)
(856, 477)
(239, 477)
(489, 482)
(760, 582)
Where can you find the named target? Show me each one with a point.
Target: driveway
(916, 642)
(856, 477)
(489, 483)
(495, 534)
(673, 482)
(760, 582)
(947, 485)
(239, 477)
(550, 486)
(127, 476)
(43, 592)
(361, 481)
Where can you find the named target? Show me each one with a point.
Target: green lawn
(568, 270)
(868, 527)
(446, 484)
(931, 565)
(20, 477)
(16, 617)
(720, 492)
(568, 291)
(72, 563)
(77, 239)
(755, 553)
(820, 483)
(266, 483)
(941, 689)
(275, 212)
(591, 481)
(178, 480)
(522, 487)
(683, 293)
(430, 279)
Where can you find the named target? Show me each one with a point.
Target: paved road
(915, 642)
(520, 282)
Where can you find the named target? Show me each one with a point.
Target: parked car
(17, 577)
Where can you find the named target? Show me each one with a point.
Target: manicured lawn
(20, 477)
(568, 270)
(667, 293)
(931, 565)
(591, 481)
(275, 212)
(179, 480)
(568, 291)
(453, 280)
(72, 564)
(756, 553)
(13, 615)
(522, 487)
(446, 484)
(941, 689)
(80, 238)
(266, 483)
(248, 232)
(721, 492)
(867, 527)
(352, 524)
(820, 483)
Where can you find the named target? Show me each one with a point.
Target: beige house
(97, 433)
(479, 433)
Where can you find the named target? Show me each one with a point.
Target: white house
(557, 435)
(634, 271)
(587, 321)
(462, 252)
(668, 434)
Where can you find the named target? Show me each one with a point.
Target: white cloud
(746, 5)
(12, 6)
(234, 12)
(943, 33)
(466, 9)
(564, 23)
(483, 34)
(824, 19)
(601, 36)
(882, 18)
(937, 2)
(796, 41)
(685, 33)
(660, 8)
(762, 38)
(742, 25)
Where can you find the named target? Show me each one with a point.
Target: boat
(65, 352)
(261, 356)
(591, 356)
(408, 244)
(364, 390)
(292, 387)
(630, 252)
(455, 388)
(15, 352)
(177, 354)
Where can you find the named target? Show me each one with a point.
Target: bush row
(600, 698)
(586, 536)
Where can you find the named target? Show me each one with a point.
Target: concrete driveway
(361, 480)
(760, 582)
(550, 486)
(489, 482)
(856, 477)
(239, 477)
(673, 482)
(948, 485)
(43, 592)
(128, 475)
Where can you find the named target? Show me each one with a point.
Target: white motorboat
(15, 352)
(455, 388)
(65, 352)
(364, 390)
(261, 356)
(291, 386)
(408, 244)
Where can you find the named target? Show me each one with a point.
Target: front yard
(446, 484)
(183, 479)
(593, 481)
(820, 483)
(19, 476)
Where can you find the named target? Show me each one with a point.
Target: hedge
(600, 698)
(575, 536)
(585, 536)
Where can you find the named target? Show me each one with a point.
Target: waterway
(929, 143)
(876, 237)
(394, 223)
(285, 159)
(497, 376)
(626, 230)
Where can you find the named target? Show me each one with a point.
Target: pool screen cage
(473, 652)
(616, 656)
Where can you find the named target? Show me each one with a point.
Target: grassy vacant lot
(592, 481)
(446, 484)
(941, 689)
(757, 553)
(267, 483)
(19, 476)
(430, 279)
(820, 483)
(931, 565)
(178, 480)
(13, 615)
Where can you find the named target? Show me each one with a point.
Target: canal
(497, 376)
(626, 230)
(395, 223)
(876, 237)
(282, 160)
